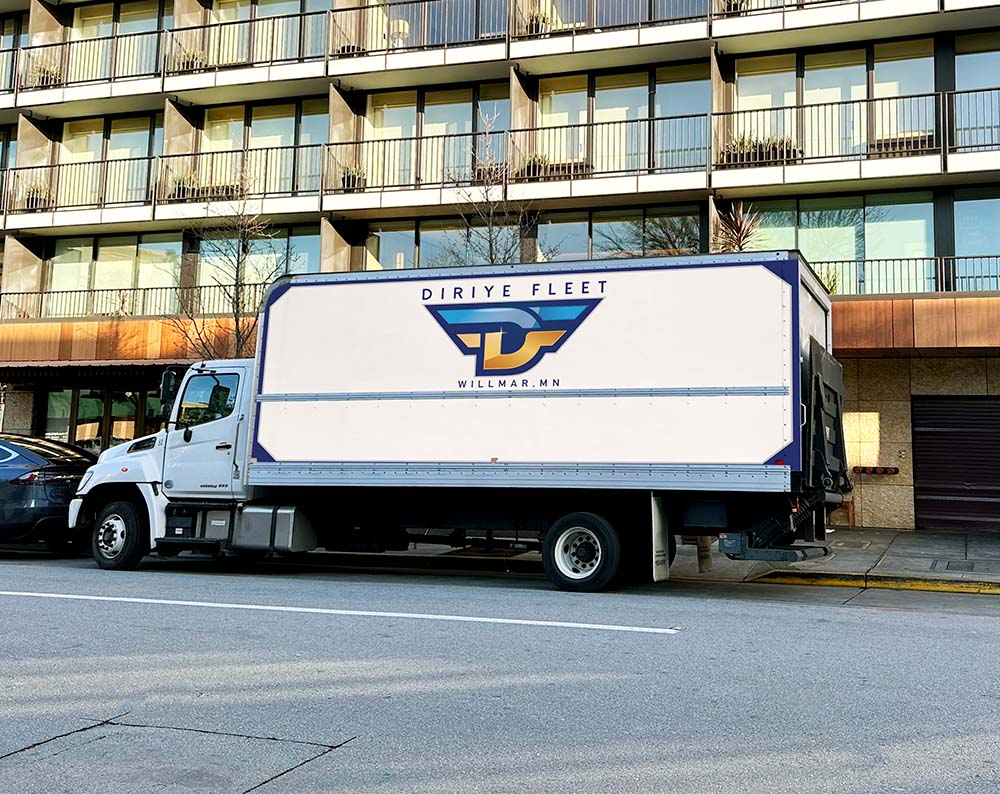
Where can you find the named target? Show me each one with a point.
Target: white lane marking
(559, 624)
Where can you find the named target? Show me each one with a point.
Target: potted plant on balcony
(353, 178)
(746, 151)
(183, 187)
(44, 74)
(732, 8)
(190, 59)
(351, 49)
(37, 195)
(538, 22)
(536, 167)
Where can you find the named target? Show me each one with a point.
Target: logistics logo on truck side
(510, 338)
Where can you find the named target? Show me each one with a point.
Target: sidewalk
(959, 562)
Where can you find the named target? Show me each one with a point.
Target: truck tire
(121, 537)
(581, 553)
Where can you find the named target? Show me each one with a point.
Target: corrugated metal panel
(956, 460)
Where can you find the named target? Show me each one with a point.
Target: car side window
(207, 398)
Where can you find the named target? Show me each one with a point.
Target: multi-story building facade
(865, 133)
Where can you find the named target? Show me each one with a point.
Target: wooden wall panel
(91, 340)
(977, 322)
(934, 323)
(862, 324)
(902, 324)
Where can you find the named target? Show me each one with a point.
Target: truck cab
(199, 455)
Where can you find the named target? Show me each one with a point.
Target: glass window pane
(114, 275)
(207, 398)
(223, 129)
(618, 234)
(88, 431)
(159, 273)
(977, 61)
(304, 252)
(562, 100)
(563, 237)
(315, 126)
(391, 246)
(831, 229)
(494, 107)
(777, 225)
(762, 85)
(977, 240)
(672, 231)
(153, 420)
(69, 268)
(899, 225)
(124, 409)
(904, 68)
(682, 91)
(57, 407)
(443, 244)
(391, 115)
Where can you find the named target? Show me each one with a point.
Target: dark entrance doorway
(956, 462)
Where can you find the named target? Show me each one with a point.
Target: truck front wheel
(120, 537)
(581, 552)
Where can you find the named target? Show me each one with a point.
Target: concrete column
(23, 267)
(45, 23)
(708, 234)
(18, 411)
(523, 102)
(335, 248)
(181, 127)
(34, 142)
(189, 13)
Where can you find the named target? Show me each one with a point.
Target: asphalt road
(760, 689)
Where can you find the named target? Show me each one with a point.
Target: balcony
(128, 302)
(911, 275)
(429, 171)
(606, 158)
(245, 51)
(974, 130)
(416, 34)
(271, 181)
(547, 28)
(884, 138)
(112, 191)
(88, 69)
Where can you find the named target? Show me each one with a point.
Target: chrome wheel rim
(578, 553)
(111, 536)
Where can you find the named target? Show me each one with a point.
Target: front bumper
(74, 512)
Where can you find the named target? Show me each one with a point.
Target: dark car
(38, 478)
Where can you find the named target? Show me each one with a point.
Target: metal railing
(266, 40)
(639, 146)
(89, 60)
(915, 274)
(130, 302)
(238, 174)
(544, 17)
(99, 183)
(831, 131)
(416, 24)
(973, 120)
(8, 70)
(430, 161)
(736, 8)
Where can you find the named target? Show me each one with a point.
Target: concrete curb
(879, 582)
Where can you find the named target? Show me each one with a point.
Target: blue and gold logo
(510, 338)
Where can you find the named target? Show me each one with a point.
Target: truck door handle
(224, 445)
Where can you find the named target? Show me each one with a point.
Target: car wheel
(581, 552)
(121, 537)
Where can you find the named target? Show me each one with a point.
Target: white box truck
(594, 410)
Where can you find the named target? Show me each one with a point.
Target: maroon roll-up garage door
(956, 462)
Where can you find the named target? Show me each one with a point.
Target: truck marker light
(779, 462)
(875, 470)
(124, 468)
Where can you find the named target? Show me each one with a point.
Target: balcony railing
(79, 185)
(639, 146)
(905, 275)
(8, 70)
(831, 131)
(245, 173)
(131, 302)
(974, 120)
(416, 24)
(430, 161)
(736, 8)
(89, 60)
(248, 42)
(543, 17)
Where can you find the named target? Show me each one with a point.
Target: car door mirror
(187, 433)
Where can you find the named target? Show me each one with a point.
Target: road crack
(102, 723)
(299, 765)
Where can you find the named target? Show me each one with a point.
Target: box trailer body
(683, 395)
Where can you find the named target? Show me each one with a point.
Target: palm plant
(737, 228)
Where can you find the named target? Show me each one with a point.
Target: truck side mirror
(170, 381)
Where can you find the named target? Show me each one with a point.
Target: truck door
(202, 443)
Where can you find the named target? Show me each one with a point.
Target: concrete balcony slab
(966, 162)
(916, 165)
(746, 25)
(748, 177)
(665, 34)
(532, 48)
(611, 39)
(341, 202)
(603, 185)
(136, 86)
(823, 172)
(356, 64)
(822, 15)
(886, 9)
(532, 191)
(476, 53)
(668, 183)
(418, 59)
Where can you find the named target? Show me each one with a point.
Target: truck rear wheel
(121, 538)
(581, 552)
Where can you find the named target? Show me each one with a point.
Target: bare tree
(653, 235)
(239, 254)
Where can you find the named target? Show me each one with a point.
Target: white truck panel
(669, 370)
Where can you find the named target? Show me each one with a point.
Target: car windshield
(52, 451)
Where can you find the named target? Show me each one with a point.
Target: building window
(95, 419)
(977, 239)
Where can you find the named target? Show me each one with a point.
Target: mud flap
(661, 539)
